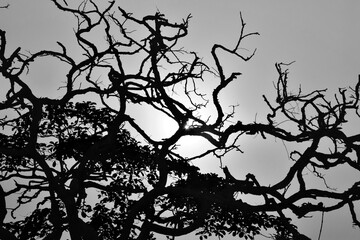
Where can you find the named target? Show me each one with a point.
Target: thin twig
(322, 223)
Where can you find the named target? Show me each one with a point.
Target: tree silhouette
(77, 163)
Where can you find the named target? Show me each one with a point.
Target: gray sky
(322, 36)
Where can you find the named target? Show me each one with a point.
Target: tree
(77, 161)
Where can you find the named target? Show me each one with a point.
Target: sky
(322, 37)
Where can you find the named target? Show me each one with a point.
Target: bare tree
(63, 154)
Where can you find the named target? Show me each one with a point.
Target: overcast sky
(322, 36)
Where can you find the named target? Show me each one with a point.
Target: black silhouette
(91, 169)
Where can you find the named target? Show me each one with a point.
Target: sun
(164, 126)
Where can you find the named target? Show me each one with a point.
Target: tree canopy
(88, 168)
